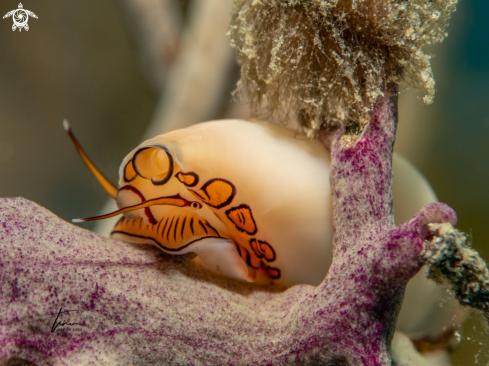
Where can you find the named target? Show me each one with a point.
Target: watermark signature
(59, 322)
(20, 17)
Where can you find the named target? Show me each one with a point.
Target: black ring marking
(228, 212)
(258, 244)
(209, 182)
(196, 178)
(255, 248)
(127, 180)
(170, 169)
(273, 277)
(248, 259)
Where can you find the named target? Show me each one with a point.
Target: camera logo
(20, 17)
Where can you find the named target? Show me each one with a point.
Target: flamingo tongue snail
(249, 198)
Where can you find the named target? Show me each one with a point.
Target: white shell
(284, 180)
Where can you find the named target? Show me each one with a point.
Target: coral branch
(156, 24)
(452, 261)
(199, 77)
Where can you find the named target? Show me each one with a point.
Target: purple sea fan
(142, 307)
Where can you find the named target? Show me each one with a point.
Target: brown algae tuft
(327, 61)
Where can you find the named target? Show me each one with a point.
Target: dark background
(79, 61)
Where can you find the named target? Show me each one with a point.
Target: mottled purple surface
(139, 306)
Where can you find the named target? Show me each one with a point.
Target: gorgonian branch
(453, 262)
